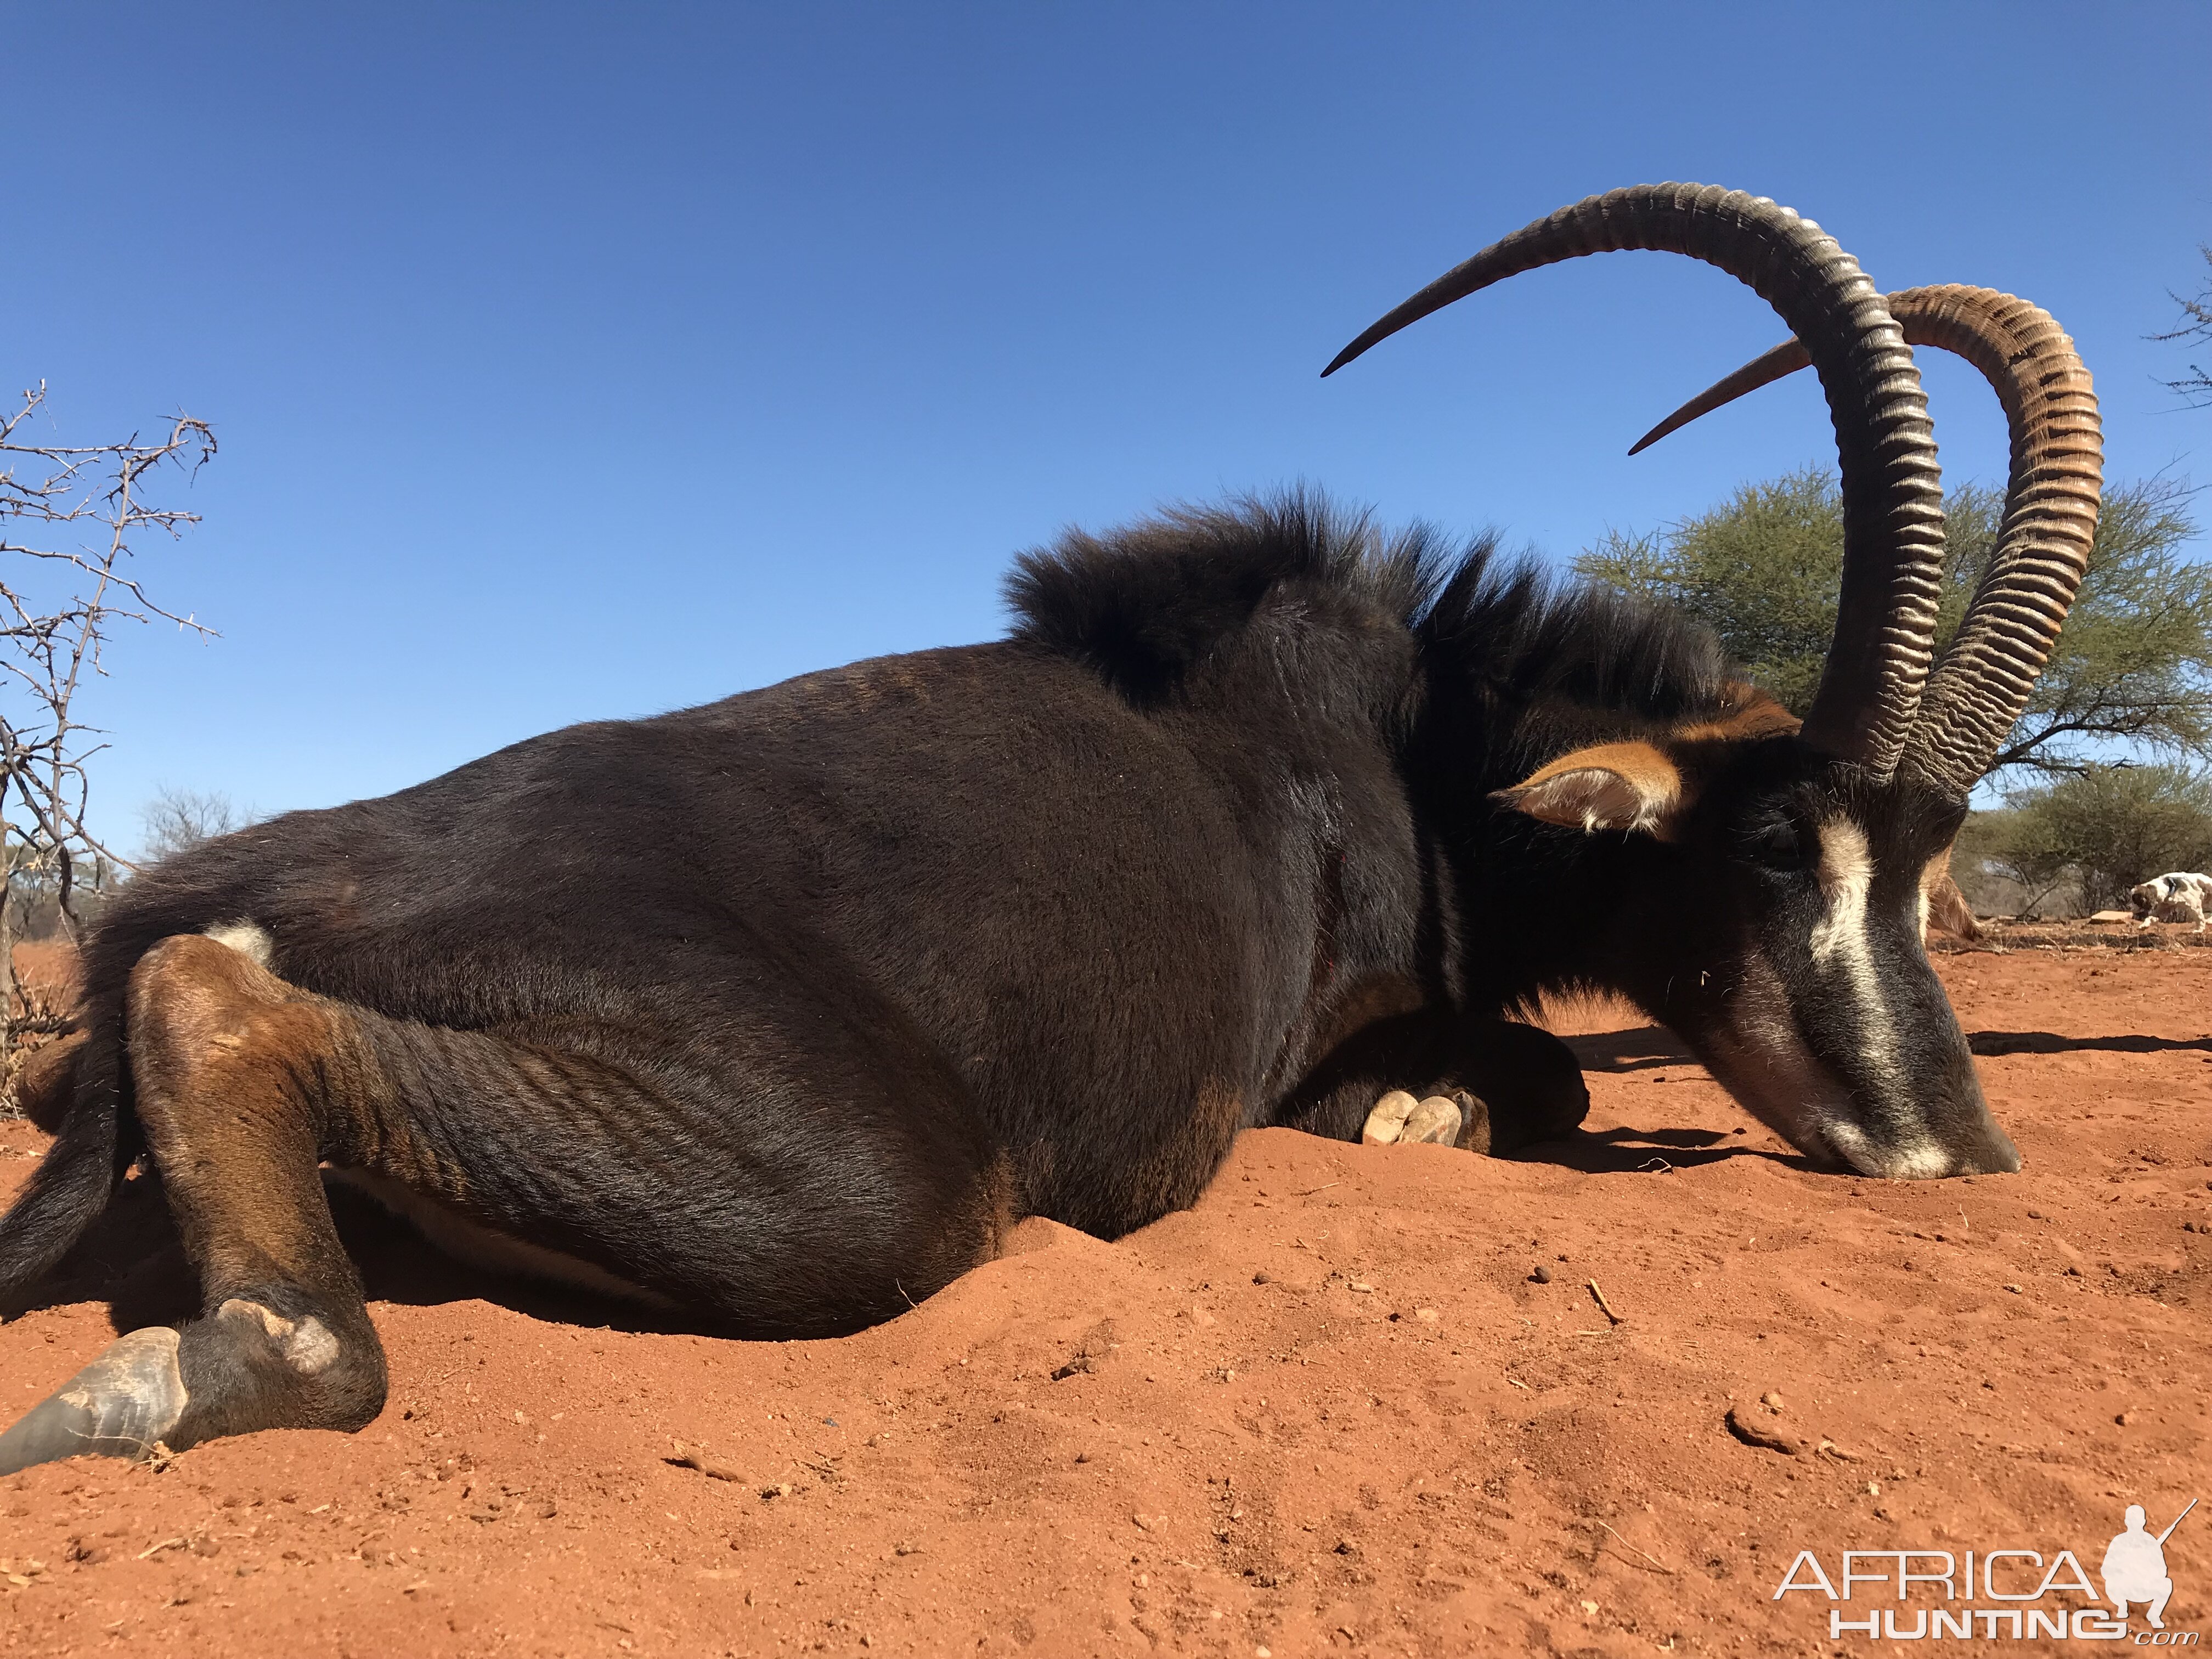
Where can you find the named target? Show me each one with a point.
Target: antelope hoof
(1399, 1119)
(119, 1406)
(1435, 1120)
(1388, 1120)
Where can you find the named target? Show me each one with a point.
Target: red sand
(1326, 1410)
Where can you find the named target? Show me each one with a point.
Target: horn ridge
(2052, 499)
(1881, 656)
(1976, 693)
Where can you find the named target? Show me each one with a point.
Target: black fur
(1207, 842)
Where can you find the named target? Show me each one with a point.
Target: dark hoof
(119, 1406)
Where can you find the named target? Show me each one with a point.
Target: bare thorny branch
(2195, 324)
(68, 518)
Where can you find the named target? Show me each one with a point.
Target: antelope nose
(1987, 1151)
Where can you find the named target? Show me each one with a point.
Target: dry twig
(1604, 1306)
(1653, 1559)
(694, 1457)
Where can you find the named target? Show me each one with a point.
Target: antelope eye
(1776, 843)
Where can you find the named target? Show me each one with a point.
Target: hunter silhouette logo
(2017, 1595)
(2134, 1566)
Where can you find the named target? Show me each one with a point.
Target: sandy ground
(1330, 1409)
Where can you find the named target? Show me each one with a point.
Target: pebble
(1542, 1276)
(1771, 1400)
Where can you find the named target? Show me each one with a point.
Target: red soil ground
(1327, 1410)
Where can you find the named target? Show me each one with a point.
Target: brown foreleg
(243, 1084)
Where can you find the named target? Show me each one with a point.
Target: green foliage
(2111, 826)
(2133, 666)
(1763, 570)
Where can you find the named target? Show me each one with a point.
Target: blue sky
(575, 361)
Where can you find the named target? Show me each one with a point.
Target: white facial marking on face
(1846, 872)
(1839, 941)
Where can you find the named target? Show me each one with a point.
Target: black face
(1789, 956)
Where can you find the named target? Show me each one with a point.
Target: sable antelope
(780, 1010)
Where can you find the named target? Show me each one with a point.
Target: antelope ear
(1612, 786)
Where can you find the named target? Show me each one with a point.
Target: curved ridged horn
(1783, 360)
(2051, 498)
(1892, 491)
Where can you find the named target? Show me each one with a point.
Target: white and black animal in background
(2182, 895)
(1255, 815)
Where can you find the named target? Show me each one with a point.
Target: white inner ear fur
(1593, 798)
(1932, 873)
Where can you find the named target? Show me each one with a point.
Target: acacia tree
(68, 518)
(2133, 667)
(2110, 827)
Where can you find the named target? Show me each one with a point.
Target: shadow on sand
(1648, 1047)
(1641, 1049)
(1655, 1151)
(2049, 1042)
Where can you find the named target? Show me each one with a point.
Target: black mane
(1143, 605)
(1515, 627)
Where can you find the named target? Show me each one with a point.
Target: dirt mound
(1388, 1399)
(2083, 933)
